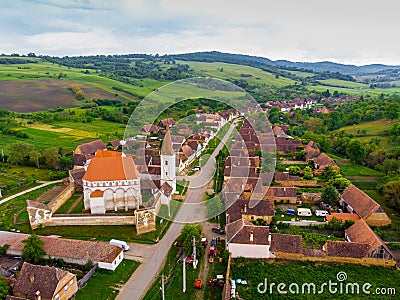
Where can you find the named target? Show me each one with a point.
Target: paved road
(28, 190)
(191, 211)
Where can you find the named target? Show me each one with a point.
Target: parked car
(304, 212)
(123, 245)
(214, 241)
(194, 169)
(321, 213)
(218, 230)
(204, 242)
(290, 212)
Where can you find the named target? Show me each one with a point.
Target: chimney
(32, 278)
(38, 296)
(251, 236)
(245, 208)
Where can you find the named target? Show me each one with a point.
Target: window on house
(166, 173)
(66, 288)
(57, 297)
(166, 162)
(71, 283)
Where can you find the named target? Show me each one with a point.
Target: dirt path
(205, 266)
(75, 204)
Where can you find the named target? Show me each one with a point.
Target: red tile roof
(68, 248)
(111, 169)
(244, 232)
(90, 148)
(360, 232)
(362, 204)
(97, 194)
(167, 144)
(343, 217)
(34, 278)
(286, 243)
(347, 249)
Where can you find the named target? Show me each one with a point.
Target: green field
(104, 284)
(373, 129)
(256, 271)
(49, 71)
(343, 83)
(230, 71)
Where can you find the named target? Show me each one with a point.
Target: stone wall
(334, 259)
(91, 220)
(61, 198)
(299, 183)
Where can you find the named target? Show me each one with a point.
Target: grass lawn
(256, 271)
(358, 170)
(104, 283)
(63, 209)
(18, 205)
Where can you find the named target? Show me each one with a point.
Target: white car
(321, 213)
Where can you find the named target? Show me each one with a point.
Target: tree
(50, 157)
(356, 151)
(339, 182)
(3, 249)
(4, 288)
(188, 232)
(391, 166)
(294, 170)
(392, 193)
(307, 173)
(20, 153)
(33, 249)
(330, 195)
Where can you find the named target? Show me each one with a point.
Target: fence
(87, 276)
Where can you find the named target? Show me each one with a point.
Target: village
(269, 212)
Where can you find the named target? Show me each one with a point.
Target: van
(304, 212)
(123, 245)
(321, 213)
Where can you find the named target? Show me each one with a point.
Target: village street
(153, 256)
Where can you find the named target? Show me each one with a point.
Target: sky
(351, 31)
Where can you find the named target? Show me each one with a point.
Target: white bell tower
(168, 161)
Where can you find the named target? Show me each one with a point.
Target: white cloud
(342, 31)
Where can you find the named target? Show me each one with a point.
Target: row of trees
(20, 153)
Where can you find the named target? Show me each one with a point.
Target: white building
(168, 163)
(247, 240)
(111, 182)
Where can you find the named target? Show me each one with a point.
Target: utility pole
(2, 153)
(162, 287)
(194, 253)
(184, 275)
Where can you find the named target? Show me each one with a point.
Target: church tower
(168, 161)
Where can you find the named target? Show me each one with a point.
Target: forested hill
(265, 63)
